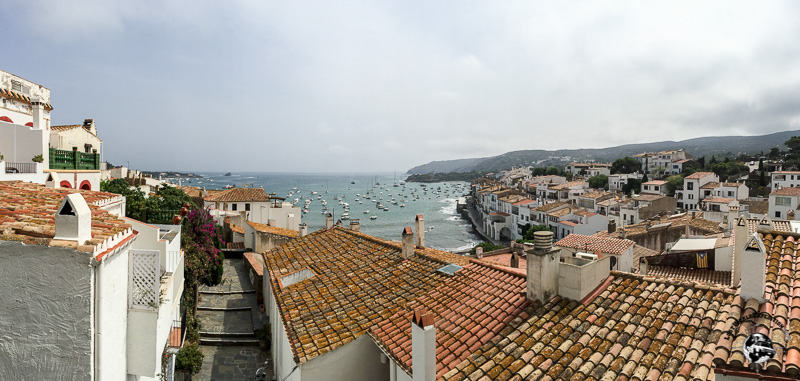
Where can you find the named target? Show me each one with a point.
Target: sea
(445, 228)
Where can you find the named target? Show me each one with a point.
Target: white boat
(345, 216)
(366, 211)
(373, 217)
(402, 205)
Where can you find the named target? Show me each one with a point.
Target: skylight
(450, 269)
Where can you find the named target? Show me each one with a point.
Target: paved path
(228, 315)
(475, 218)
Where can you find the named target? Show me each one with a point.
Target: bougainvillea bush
(202, 243)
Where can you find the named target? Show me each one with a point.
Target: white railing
(173, 258)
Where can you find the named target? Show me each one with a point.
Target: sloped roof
(782, 306)
(469, 309)
(636, 327)
(241, 195)
(786, 191)
(698, 175)
(71, 127)
(551, 206)
(707, 276)
(27, 214)
(593, 243)
(273, 229)
(6, 93)
(357, 280)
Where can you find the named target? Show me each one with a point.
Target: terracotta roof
(648, 197)
(710, 185)
(237, 229)
(548, 207)
(594, 244)
(726, 184)
(71, 127)
(241, 195)
(655, 182)
(721, 200)
(707, 276)
(355, 281)
(256, 261)
(754, 224)
(504, 259)
(6, 93)
(524, 202)
(560, 212)
(27, 214)
(273, 230)
(698, 175)
(639, 252)
(634, 328)
(782, 306)
(786, 191)
(681, 161)
(469, 309)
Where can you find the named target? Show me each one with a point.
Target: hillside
(712, 145)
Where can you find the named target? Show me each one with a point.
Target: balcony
(61, 159)
(20, 167)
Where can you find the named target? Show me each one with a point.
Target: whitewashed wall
(112, 289)
(19, 143)
(45, 313)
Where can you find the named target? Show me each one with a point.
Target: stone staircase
(228, 312)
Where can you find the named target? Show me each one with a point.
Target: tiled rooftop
(359, 280)
(241, 195)
(551, 206)
(699, 175)
(594, 244)
(469, 309)
(710, 185)
(782, 305)
(70, 127)
(273, 229)
(237, 229)
(786, 191)
(655, 182)
(6, 93)
(27, 214)
(719, 200)
(707, 276)
(635, 328)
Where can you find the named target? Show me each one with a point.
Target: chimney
(622, 233)
(420, 228)
(612, 226)
(733, 212)
(790, 215)
(693, 214)
(479, 252)
(328, 221)
(88, 124)
(408, 243)
(644, 267)
(73, 219)
(39, 123)
(754, 264)
(423, 346)
(354, 225)
(303, 230)
(647, 225)
(514, 259)
(542, 263)
(740, 236)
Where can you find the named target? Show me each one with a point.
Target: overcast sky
(334, 86)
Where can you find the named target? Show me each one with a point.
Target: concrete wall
(282, 357)
(77, 177)
(19, 143)
(75, 137)
(358, 360)
(112, 310)
(578, 277)
(45, 313)
(723, 258)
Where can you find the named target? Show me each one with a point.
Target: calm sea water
(445, 229)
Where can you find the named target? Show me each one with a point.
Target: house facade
(257, 205)
(689, 197)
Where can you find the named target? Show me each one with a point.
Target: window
(783, 201)
(689, 186)
(730, 193)
(777, 214)
(247, 206)
(234, 206)
(19, 87)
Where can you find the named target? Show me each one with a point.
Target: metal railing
(20, 167)
(62, 159)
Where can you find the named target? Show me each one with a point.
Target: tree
(553, 170)
(702, 162)
(793, 144)
(626, 165)
(598, 182)
(774, 152)
(487, 247)
(644, 178)
(673, 183)
(631, 185)
(529, 230)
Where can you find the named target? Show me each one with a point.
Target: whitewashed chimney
(355, 225)
(733, 212)
(740, 236)
(74, 219)
(420, 228)
(328, 221)
(479, 252)
(39, 123)
(408, 243)
(644, 267)
(542, 267)
(303, 230)
(754, 269)
(423, 346)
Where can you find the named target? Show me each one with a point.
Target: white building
(689, 197)
(785, 179)
(258, 206)
(655, 187)
(617, 181)
(25, 140)
(782, 201)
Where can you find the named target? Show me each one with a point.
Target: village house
(590, 200)
(645, 206)
(588, 169)
(689, 197)
(617, 181)
(258, 206)
(260, 237)
(677, 167)
(105, 295)
(784, 179)
(661, 162)
(655, 187)
(25, 140)
(782, 201)
(657, 232)
(578, 221)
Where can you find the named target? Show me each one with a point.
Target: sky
(352, 86)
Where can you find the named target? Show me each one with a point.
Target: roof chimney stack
(542, 267)
(354, 225)
(479, 252)
(420, 228)
(423, 346)
(408, 243)
(754, 259)
(303, 230)
(612, 226)
(733, 212)
(74, 219)
(644, 267)
(328, 221)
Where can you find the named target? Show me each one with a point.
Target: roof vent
(450, 269)
(296, 277)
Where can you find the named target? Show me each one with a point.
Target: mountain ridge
(702, 146)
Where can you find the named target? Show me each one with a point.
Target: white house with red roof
(784, 179)
(655, 187)
(579, 221)
(689, 197)
(782, 201)
(257, 206)
(578, 245)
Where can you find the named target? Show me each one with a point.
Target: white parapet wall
(578, 277)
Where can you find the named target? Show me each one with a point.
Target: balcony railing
(172, 260)
(20, 167)
(61, 159)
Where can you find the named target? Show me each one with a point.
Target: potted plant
(263, 335)
(189, 359)
(37, 159)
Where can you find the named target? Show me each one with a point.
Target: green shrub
(37, 159)
(189, 359)
(487, 246)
